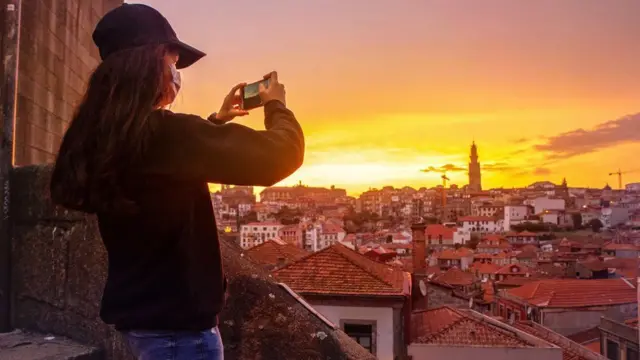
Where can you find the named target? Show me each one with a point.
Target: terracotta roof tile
(338, 270)
(516, 281)
(485, 268)
(272, 252)
(433, 321)
(570, 350)
(448, 326)
(586, 336)
(456, 277)
(435, 230)
(612, 246)
(568, 293)
(514, 269)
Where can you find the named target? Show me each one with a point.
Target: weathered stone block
(31, 198)
(21, 345)
(87, 270)
(42, 248)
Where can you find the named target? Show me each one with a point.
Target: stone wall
(59, 269)
(56, 58)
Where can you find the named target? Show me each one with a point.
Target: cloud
(541, 171)
(498, 166)
(444, 168)
(581, 141)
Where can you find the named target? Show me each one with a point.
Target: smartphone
(250, 94)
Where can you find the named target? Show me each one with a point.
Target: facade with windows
(618, 341)
(253, 234)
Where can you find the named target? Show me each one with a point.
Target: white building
(320, 235)
(542, 203)
(253, 234)
(481, 224)
(461, 236)
(633, 187)
(614, 216)
(514, 214)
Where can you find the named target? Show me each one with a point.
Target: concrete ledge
(22, 345)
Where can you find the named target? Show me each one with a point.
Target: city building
(481, 224)
(569, 306)
(256, 233)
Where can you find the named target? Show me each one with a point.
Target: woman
(143, 171)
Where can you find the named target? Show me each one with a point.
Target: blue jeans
(175, 345)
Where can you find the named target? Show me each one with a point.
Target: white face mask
(176, 77)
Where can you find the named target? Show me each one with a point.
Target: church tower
(475, 183)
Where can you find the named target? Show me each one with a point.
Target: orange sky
(386, 88)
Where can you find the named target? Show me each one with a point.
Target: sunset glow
(384, 89)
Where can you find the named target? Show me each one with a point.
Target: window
(361, 333)
(632, 354)
(613, 350)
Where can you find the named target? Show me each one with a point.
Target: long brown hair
(110, 131)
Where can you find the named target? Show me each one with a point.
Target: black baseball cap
(133, 25)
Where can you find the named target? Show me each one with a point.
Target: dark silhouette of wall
(56, 57)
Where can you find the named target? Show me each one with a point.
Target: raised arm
(196, 148)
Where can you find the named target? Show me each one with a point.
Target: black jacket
(165, 270)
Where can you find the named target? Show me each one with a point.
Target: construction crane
(620, 173)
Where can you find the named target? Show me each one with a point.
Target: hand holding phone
(261, 92)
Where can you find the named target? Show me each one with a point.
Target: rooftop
(338, 270)
(569, 293)
(570, 350)
(460, 327)
(455, 277)
(273, 252)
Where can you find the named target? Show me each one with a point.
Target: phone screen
(250, 94)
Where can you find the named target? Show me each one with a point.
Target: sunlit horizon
(542, 87)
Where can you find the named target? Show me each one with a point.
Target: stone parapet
(59, 268)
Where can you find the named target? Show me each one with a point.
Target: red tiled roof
(613, 246)
(448, 254)
(456, 277)
(516, 281)
(448, 326)
(270, 252)
(570, 351)
(485, 268)
(593, 264)
(585, 336)
(436, 230)
(509, 270)
(526, 254)
(331, 228)
(569, 293)
(338, 270)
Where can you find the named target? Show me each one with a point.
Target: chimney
(419, 248)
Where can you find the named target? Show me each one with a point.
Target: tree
(596, 225)
(577, 220)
